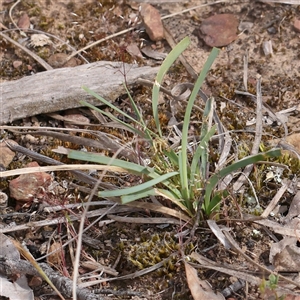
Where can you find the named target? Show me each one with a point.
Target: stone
(27, 187)
(17, 64)
(152, 22)
(297, 25)
(6, 155)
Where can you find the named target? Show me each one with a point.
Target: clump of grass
(172, 175)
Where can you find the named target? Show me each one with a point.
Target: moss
(44, 53)
(154, 249)
(34, 12)
(45, 22)
(61, 26)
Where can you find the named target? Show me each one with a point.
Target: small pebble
(17, 64)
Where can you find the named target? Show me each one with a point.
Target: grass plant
(171, 173)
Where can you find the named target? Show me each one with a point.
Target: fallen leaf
(134, 50)
(24, 22)
(291, 297)
(15, 290)
(39, 40)
(294, 140)
(219, 30)
(55, 258)
(297, 25)
(294, 209)
(148, 51)
(285, 255)
(216, 230)
(200, 289)
(18, 289)
(72, 118)
(7, 1)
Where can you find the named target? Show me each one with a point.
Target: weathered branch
(63, 284)
(60, 89)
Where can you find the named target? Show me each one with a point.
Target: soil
(129, 247)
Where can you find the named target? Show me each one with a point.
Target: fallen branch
(63, 284)
(60, 89)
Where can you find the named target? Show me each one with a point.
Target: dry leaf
(294, 140)
(15, 290)
(24, 22)
(295, 2)
(39, 40)
(285, 255)
(55, 258)
(200, 289)
(294, 209)
(19, 288)
(291, 297)
(134, 50)
(216, 230)
(219, 30)
(148, 51)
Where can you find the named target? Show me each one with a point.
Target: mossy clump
(156, 249)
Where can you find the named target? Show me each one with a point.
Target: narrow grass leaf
(133, 197)
(105, 160)
(172, 156)
(214, 179)
(113, 118)
(140, 117)
(129, 166)
(207, 113)
(170, 59)
(92, 93)
(177, 201)
(196, 158)
(189, 108)
(183, 170)
(184, 187)
(136, 188)
(161, 209)
(172, 189)
(135, 108)
(214, 204)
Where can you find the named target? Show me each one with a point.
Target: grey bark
(60, 89)
(63, 284)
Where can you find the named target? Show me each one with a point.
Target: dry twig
(63, 284)
(258, 134)
(30, 53)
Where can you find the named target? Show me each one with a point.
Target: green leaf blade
(214, 179)
(170, 59)
(138, 188)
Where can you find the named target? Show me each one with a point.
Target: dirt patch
(128, 248)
